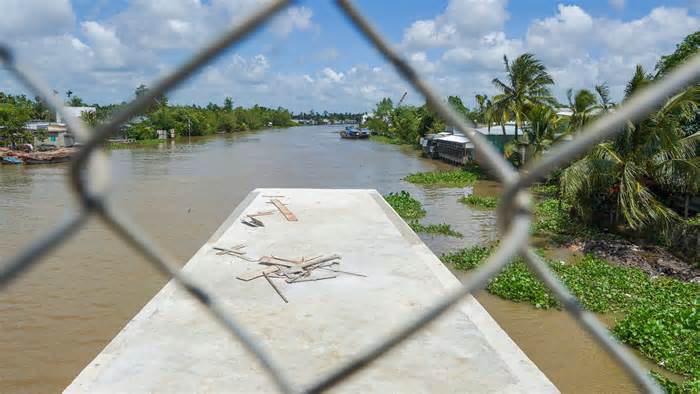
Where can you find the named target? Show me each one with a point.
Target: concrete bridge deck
(172, 345)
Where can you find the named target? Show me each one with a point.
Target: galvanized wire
(513, 213)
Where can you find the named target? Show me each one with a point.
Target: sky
(309, 57)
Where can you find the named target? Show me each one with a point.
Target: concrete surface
(172, 345)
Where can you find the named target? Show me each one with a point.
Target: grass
(453, 178)
(411, 210)
(479, 201)
(660, 316)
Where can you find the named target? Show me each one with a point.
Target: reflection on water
(57, 317)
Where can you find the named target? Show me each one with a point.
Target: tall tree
(687, 48)
(629, 174)
(13, 118)
(582, 105)
(526, 85)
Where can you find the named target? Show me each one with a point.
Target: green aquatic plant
(479, 201)
(411, 210)
(660, 316)
(406, 206)
(453, 178)
(442, 228)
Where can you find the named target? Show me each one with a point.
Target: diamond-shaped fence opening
(87, 174)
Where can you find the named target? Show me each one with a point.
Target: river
(57, 317)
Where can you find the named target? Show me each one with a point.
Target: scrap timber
(313, 293)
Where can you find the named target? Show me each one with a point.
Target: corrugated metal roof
(497, 130)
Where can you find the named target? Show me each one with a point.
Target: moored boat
(11, 160)
(352, 133)
(52, 160)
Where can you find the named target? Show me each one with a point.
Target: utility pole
(189, 129)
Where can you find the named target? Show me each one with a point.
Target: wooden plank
(320, 260)
(276, 289)
(285, 211)
(250, 275)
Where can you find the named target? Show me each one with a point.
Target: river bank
(653, 295)
(58, 316)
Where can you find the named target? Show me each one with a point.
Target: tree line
(630, 179)
(193, 120)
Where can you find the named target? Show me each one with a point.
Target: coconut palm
(605, 103)
(526, 85)
(627, 175)
(542, 131)
(582, 106)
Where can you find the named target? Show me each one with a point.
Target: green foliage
(197, 121)
(453, 178)
(386, 139)
(442, 228)
(411, 210)
(405, 121)
(694, 220)
(14, 114)
(552, 216)
(661, 316)
(406, 206)
(479, 201)
(545, 190)
(628, 176)
(456, 103)
(467, 259)
(526, 84)
(667, 332)
(690, 386)
(687, 48)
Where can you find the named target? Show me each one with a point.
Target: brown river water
(58, 317)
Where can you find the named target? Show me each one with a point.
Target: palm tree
(582, 106)
(603, 91)
(543, 130)
(526, 86)
(627, 175)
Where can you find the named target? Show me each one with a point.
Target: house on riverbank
(50, 133)
(454, 147)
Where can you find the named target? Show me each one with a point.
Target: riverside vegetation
(412, 210)
(625, 189)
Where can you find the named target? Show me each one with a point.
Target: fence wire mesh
(88, 179)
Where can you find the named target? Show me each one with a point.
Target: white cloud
(32, 18)
(107, 46)
(459, 51)
(463, 21)
(466, 45)
(295, 18)
(333, 76)
(562, 36)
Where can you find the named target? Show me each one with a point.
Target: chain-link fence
(88, 178)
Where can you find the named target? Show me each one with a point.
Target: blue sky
(309, 57)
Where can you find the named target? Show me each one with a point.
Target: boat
(352, 133)
(58, 156)
(11, 160)
(53, 160)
